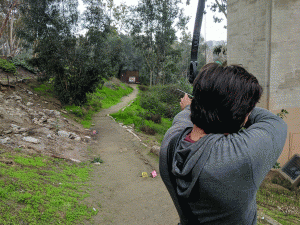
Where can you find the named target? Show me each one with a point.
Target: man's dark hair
(223, 97)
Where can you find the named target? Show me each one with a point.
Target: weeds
(97, 160)
(41, 190)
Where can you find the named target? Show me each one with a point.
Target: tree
(10, 17)
(154, 29)
(219, 6)
(51, 25)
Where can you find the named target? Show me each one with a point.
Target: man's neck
(198, 133)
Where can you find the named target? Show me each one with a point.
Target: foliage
(101, 98)
(276, 166)
(7, 66)
(22, 62)
(135, 114)
(154, 31)
(283, 113)
(41, 190)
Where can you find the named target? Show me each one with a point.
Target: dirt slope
(118, 190)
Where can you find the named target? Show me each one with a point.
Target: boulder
(155, 149)
(63, 133)
(31, 140)
(5, 140)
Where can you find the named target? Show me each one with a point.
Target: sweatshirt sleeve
(180, 122)
(266, 136)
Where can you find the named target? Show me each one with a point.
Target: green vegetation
(42, 190)
(22, 62)
(7, 66)
(153, 110)
(45, 89)
(104, 97)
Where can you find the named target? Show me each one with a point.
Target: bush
(7, 66)
(143, 88)
(24, 64)
(155, 118)
(148, 130)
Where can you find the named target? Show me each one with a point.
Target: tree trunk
(7, 17)
(11, 42)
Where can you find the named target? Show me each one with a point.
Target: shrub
(24, 64)
(7, 66)
(148, 130)
(143, 88)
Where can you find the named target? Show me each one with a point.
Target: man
(211, 167)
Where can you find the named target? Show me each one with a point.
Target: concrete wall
(264, 36)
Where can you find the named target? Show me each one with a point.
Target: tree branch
(221, 8)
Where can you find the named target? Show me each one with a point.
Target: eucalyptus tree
(153, 26)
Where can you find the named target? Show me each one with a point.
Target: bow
(195, 42)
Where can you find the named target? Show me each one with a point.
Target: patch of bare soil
(34, 124)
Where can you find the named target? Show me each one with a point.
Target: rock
(18, 98)
(15, 126)
(72, 136)
(29, 92)
(5, 140)
(46, 102)
(78, 139)
(29, 104)
(56, 113)
(49, 136)
(63, 111)
(75, 160)
(31, 140)
(63, 133)
(155, 149)
(88, 137)
(7, 132)
(43, 119)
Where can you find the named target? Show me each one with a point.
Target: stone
(75, 160)
(49, 136)
(43, 119)
(5, 140)
(29, 92)
(29, 104)
(88, 137)
(31, 140)
(18, 98)
(15, 126)
(72, 136)
(155, 149)
(78, 139)
(63, 133)
(7, 132)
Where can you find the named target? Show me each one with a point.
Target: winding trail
(117, 188)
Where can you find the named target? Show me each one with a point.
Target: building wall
(126, 74)
(264, 36)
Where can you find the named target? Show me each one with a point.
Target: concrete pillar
(264, 36)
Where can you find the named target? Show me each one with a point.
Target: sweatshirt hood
(189, 160)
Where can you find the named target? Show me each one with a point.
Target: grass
(42, 190)
(134, 115)
(110, 94)
(281, 204)
(44, 89)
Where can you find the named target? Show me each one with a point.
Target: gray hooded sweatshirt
(223, 191)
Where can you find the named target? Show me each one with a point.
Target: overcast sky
(209, 29)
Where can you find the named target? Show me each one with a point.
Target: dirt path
(118, 191)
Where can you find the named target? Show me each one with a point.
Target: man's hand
(185, 101)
